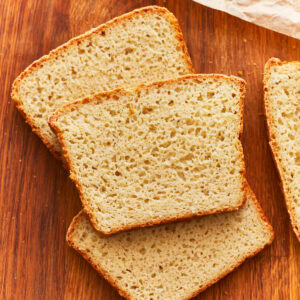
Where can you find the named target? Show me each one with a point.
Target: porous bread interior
(134, 50)
(173, 261)
(156, 153)
(284, 107)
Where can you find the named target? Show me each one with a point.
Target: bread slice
(282, 105)
(173, 261)
(142, 46)
(160, 152)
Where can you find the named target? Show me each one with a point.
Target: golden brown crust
(59, 50)
(99, 97)
(273, 144)
(158, 222)
(193, 294)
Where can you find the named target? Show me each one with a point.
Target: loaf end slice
(142, 46)
(282, 107)
(157, 153)
(173, 261)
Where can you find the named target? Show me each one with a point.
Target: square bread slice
(142, 46)
(156, 153)
(282, 106)
(173, 261)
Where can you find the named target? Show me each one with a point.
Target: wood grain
(38, 201)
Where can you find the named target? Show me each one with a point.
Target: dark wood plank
(38, 201)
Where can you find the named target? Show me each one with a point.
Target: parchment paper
(279, 15)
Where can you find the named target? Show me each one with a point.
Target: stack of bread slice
(147, 142)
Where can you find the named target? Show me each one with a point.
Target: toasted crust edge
(53, 53)
(98, 97)
(273, 144)
(123, 293)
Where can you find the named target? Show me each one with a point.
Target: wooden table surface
(38, 200)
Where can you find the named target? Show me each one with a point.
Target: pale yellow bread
(282, 106)
(142, 46)
(174, 261)
(156, 153)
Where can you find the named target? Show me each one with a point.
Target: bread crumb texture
(144, 46)
(173, 261)
(283, 112)
(163, 151)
